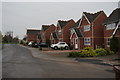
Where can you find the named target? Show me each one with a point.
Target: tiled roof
(45, 27)
(76, 24)
(91, 17)
(54, 35)
(63, 23)
(32, 31)
(78, 32)
(114, 16)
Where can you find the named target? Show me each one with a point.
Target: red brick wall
(117, 33)
(31, 37)
(87, 34)
(80, 43)
(66, 32)
(46, 34)
(99, 30)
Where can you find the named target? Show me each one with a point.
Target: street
(18, 62)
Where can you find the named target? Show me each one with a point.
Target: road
(18, 62)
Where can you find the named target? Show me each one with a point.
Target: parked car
(60, 45)
(30, 43)
(43, 45)
(34, 44)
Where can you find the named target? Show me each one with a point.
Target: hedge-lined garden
(90, 52)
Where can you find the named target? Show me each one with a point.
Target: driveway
(18, 62)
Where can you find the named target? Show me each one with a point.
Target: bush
(61, 48)
(74, 54)
(101, 52)
(114, 44)
(88, 52)
(110, 52)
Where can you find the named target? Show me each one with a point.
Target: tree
(16, 39)
(48, 41)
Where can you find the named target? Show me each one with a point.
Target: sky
(18, 16)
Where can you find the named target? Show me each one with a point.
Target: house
(53, 38)
(111, 27)
(46, 32)
(76, 36)
(32, 35)
(91, 30)
(62, 30)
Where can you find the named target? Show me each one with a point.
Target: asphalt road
(18, 62)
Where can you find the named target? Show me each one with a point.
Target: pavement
(26, 62)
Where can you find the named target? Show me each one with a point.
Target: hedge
(89, 52)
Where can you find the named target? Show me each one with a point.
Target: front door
(76, 43)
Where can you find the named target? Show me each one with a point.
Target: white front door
(76, 43)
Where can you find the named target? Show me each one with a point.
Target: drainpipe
(92, 36)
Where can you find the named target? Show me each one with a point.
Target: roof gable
(76, 24)
(78, 32)
(45, 27)
(113, 17)
(91, 16)
(54, 35)
(32, 31)
(63, 23)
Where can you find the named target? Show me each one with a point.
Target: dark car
(34, 44)
(43, 45)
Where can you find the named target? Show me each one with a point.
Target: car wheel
(55, 47)
(66, 47)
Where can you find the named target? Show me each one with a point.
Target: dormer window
(110, 26)
(87, 28)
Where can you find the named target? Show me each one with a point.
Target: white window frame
(87, 41)
(87, 28)
(108, 42)
(110, 26)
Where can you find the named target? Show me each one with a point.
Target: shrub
(114, 44)
(88, 52)
(74, 54)
(110, 52)
(61, 48)
(101, 52)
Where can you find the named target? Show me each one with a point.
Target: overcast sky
(18, 16)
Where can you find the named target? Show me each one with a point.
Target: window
(87, 28)
(87, 41)
(59, 32)
(108, 42)
(62, 43)
(110, 26)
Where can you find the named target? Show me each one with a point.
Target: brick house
(91, 29)
(76, 36)
(111, 27)
(62, 30)
(32, 35)
(53, 38)
(46, 31)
